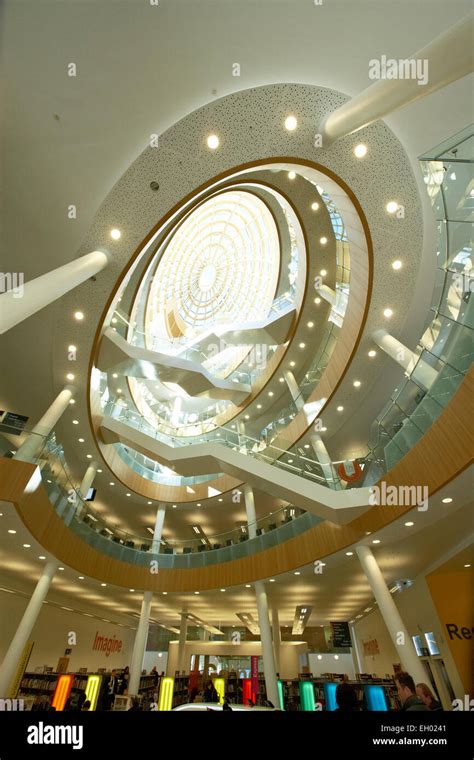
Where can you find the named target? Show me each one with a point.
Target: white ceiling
(141, 68)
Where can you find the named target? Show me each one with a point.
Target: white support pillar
(276, 637)
(22, 302)
(88, 479)
(139, 645)
(242, 440)
(391, 616)
(294, 389)
(267, 644)
(405, 357)
(355, 650)
(30, 448)
(327, 293)
(157, 533)
(322, 455)
(183, 630)
(250, 509)
(23, 632)
(444, 60)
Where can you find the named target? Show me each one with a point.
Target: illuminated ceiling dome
(221, 267)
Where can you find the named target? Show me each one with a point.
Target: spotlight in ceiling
(356, 383)
(372, 353)
(388, 313)
(340, 408)
(79, 316)
(115, 234)
(317, 300)
(397, 264)
(291, 123)
(409, 524)
(323, 273)
(323, 240)
(212, 142)
(75, 422)
(315, 206)
(291, 175)
(376, 541)
(360, 150)
(69, 376)
(447, 500)
(391, 207)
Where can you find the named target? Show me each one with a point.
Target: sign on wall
(341, 634)
(12, 423)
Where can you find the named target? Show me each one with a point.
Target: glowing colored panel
(246, 691)
(62, 691)
(375, 697)
(330, 696)
(92, 690)
(280, 694)
(166, 694)
(219, 685)
(308, 703)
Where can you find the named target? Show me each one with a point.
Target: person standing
(407, 693)
(111, 689)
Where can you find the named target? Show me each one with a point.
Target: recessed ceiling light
(360, 150)
(247, 585)
(259, 406)
(81, 577)
(220, 499)
(111, 483)
(323, 240)
(302, 345)
(69, 376)
(349, 554)
(388, 313)
(291, 175)
(99, 470)
(396, 264)
(297, 572)
(60, 568)
(41, 557)
(78, 315)
(88, 456)
(198, 504)
(467, 565)
(292, 364)
(196, 592)
(164, 593)
(391, 207)
(315, 206)
(27, 546)
(376, 541)
(306, 446)
(81, 440)
(222, 589)
(247, 416)
(174, 506)
(372, 353)
(310, 324)
(132, 590)
(356, 383)
(317, 300)
(72, 401)
(291, 123)
(270, 393)
(128, 494)
(212, 142)
(323, 273)
(272, 580)
(115, 375)
(75, 422)
(103, 584)
(409, 524)
(340, 408)
(119, 390)
(448, 500)
(115, 234)
(12, 531)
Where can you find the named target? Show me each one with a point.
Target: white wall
(50, 636)
(327, 664)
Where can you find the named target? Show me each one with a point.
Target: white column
(182, 642)
(294, 389)
(241, 432)
(267, 644)
(405, 357)
(20, 303)
(23, 632)
(448, 57)
(327, 293)
(88, 479)
(324, 459)
(30, 448)
(391, 616)
(160, 518)
(250, 509)
(355, 650)
(139, 645)
(276, 637)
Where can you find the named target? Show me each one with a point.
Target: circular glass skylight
(221, 268)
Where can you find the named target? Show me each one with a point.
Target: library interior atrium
(236, 340)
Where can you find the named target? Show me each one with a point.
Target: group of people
(413, 698)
